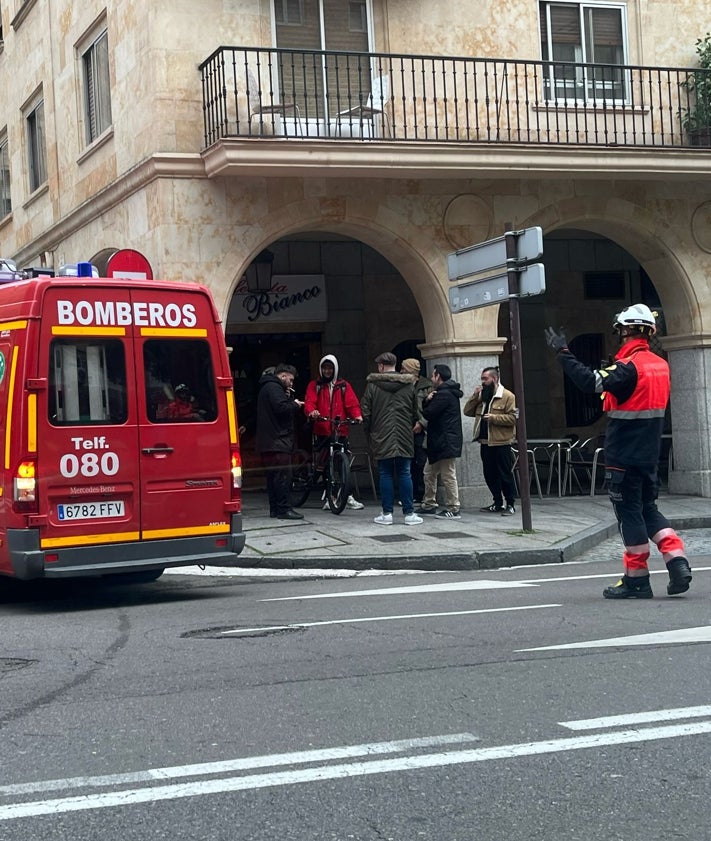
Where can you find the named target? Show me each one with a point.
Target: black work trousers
(278, 468)
(497, 463)
(633, 493)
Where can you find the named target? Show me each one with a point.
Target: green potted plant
(696, 115)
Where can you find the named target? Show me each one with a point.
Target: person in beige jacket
(493, 408)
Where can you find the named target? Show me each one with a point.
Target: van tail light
(236, 470)
(25, 484)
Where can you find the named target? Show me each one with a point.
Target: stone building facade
(109, 140)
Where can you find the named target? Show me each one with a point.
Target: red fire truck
(120, 450)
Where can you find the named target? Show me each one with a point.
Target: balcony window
(289, 12)
(36, 151)
(585, 45)
(334, 85)
(5, 202)
(97, 88)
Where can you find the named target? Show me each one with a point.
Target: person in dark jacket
(389, 408)
(276, 410)
(444, 443)
(635, 389)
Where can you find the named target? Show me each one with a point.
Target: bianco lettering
(267, 303)
(123, 314)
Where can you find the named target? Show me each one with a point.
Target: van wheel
(144, 576)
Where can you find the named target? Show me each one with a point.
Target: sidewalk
(563, 528)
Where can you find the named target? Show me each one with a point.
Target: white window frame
(584, 89)
(96, 85)
(5, 194)
(36, 143)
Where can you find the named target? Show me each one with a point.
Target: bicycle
(332, 473)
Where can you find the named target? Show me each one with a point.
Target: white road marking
(415, 588)
(269, 760)
(385, 618)
(702, 634)
(599, 575)
(345, 770)
(636, 718)
(462, 586)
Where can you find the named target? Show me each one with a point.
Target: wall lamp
(259, 272)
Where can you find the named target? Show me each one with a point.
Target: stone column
(690, 413)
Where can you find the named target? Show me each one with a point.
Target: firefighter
(635, 393)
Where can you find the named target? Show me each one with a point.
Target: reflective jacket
(635, 393)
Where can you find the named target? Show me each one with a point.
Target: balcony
(382, 101)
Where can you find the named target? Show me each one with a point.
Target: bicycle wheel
(339, 475)
(300, 479)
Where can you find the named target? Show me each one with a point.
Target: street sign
(495, 290)
(489, 255)
(129, 263)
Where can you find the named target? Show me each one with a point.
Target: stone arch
(652, 243)
(419, 262)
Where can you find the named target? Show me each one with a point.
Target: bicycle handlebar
(337, 421)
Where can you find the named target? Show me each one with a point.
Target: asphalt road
(511, 704)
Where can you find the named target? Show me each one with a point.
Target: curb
(565, 550)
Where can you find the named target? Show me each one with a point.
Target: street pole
(517, 365)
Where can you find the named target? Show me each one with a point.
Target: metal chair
(373, 113)
(586, 456)
(534, 471)
(273, 111)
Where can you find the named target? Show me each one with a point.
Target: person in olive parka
(389, 408)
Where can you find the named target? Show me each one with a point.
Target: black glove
(556, 340)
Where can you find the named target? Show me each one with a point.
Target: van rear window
(180, 383)
(87, 382)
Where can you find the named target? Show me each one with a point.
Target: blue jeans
(388, 468)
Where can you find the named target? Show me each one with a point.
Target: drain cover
(393, 538)
(452, 535)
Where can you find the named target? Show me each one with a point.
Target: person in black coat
(444, 443)
(276, 410)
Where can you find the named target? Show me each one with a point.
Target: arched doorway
(589, 278)
(358, 305)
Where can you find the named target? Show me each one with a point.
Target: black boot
(679, 575)
(629, 588)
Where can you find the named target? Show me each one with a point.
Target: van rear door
(87, 427)
(183, 423)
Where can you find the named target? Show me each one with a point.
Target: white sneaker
(326, 506)
(413, 520)
(384, 519)
(353, 504)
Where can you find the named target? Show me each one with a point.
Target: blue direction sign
(495, 290)
(490, 255)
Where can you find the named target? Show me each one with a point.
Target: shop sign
(293, 298)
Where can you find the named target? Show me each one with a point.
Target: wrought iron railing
(328, 95)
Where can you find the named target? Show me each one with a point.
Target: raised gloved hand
(556, 339)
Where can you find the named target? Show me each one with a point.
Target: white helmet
(638, 315)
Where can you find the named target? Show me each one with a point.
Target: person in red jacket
(635, 389)
(327, 396)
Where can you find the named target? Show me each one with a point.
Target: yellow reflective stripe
(84, 539)
(10, 401)
(32, 423)
(181, 332)
(13, 325)
(190, 531)
(88, 331)
(231, 416)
